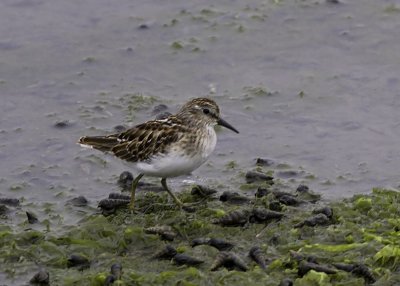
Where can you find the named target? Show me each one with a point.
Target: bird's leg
(133, 191)
(177, 201)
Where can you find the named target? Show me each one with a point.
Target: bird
(169, 147)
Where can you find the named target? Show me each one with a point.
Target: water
(309, 84)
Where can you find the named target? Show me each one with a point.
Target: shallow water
(311, 85)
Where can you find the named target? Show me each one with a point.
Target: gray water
(312, 85)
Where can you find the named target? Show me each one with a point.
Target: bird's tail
(102, 143)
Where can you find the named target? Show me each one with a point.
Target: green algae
(358, 234)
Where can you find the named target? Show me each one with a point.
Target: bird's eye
(206, 111)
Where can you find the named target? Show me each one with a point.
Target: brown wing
(142, 141)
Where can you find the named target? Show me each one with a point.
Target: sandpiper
(167, 147)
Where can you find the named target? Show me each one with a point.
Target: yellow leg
(164, 184)
(133, 191)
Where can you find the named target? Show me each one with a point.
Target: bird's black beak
(226, 124)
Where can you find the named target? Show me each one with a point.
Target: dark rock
(220, 244)
(143, 27)
(62, 124)
(110, 279)
(257, 255)
(262, 192)
(264, 162)
(287, 174)
(286, 282)
(275, 206)
(333, 1)
(125, 179)
(4, 209)
(31, 217)
(263, 215)
(302, 188)
(360, 270)
(116, 270)
(159, 109)
(110, 205)
(304, 267)
(78, 261)
(228, 260)
(119, 128)
(252, 176)
(41, 278)
(202, 191)
(234, 218)
(290, 200)
(9, 202)
(233, 198)
(163, 115)
(168, 252)
(165, 232)
(118, 196)
(324, 210)
(319, 219)
(80, 201)
(183, 259)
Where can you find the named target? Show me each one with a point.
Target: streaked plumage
(167, 147)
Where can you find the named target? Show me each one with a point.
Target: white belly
(178, 163)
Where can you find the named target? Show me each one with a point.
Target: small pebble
(79, 261)
(163, 115)
(62, 124)
(3, 209)
(302, 189)
(262, 192)
(125, 179)
(183, 259)
(252, 176)
(119, 128)
(41, 278)
(319, 219)
(264, 162)
(324, 210)
(159, 108)
(31, 217)
(202, 191)
(80, 201)
(233, 198)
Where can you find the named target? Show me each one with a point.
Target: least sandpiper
(167, 147)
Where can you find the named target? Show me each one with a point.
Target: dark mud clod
(257, 255)
(304, 267)
(3, 209)
(62, 124)
(165, 232)
(360, 270)
(275, 206)
(290, 200)
(219, 244)
(42, 277)
(324, 210)
(302, 189)
(9, 202)
(116, 270)
(286, 282)
(80, 201)
(202, 191)
(125, 179)
(118, 196)
(109, 206)
(233, 198)
(252, 176)
(119, 128)
(264, 162)
(183, 259)
(262, 192)
(78, 261)
(319, 219)
(263, 215)
(234, 218)
(168, 252)
(159, 108)
(31, 217)
(228, 260)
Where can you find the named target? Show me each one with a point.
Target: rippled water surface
(312, 85)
